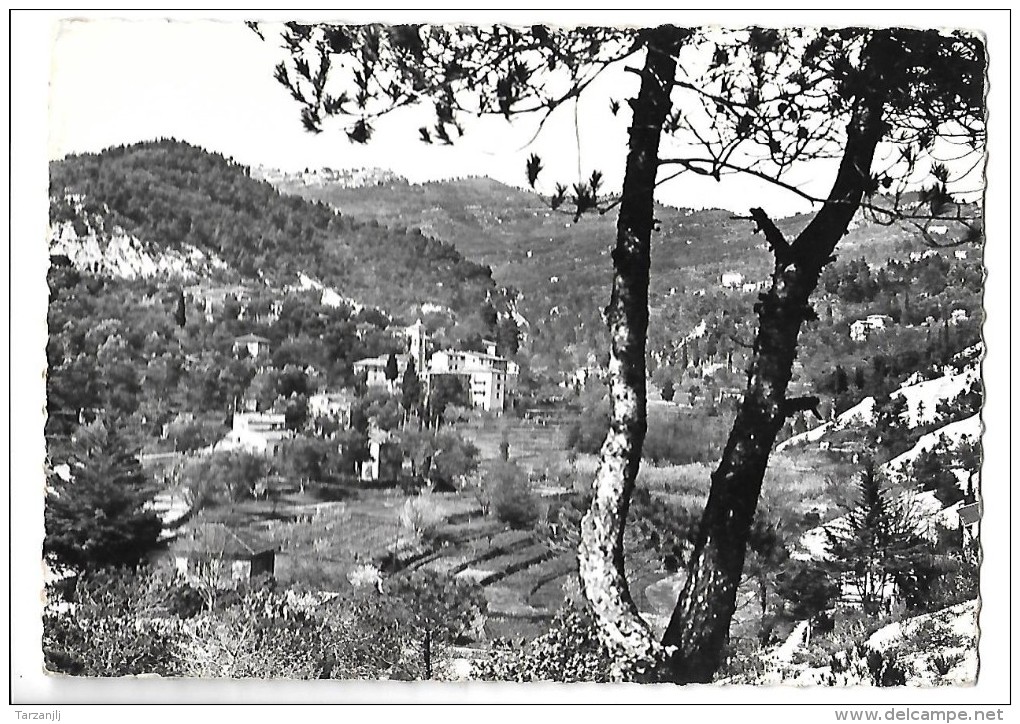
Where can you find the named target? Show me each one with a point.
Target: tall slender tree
(391, 371)
(410, 389)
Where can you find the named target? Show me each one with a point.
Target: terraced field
(523, 575)
(533, 445)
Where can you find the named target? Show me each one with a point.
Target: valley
(215, 322)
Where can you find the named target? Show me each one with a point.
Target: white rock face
(954, 434)
(113, 252)
(935, 649)
(957, 623)
(922, 397)
(330, 297)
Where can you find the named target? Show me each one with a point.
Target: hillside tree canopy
(880, 105)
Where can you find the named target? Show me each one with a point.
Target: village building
(730, 393)
(417, 345)
(251, 344)
(385, 459)
(374, 370)
(212, 299)
(860, 329)
(335, 405)
(487, 376)
(217, 555)
(260, 433)
(731, 280)
(970, 517)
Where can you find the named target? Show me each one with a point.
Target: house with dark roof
(223, 556)
(970, 518)
(253, 344)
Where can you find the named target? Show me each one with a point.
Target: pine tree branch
(773, 236)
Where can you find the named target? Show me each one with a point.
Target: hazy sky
(211, 83)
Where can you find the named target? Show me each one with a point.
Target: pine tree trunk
(600, 555)
(700, 622)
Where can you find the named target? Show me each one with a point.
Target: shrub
(226, 477)
(440, 457)
(119, 622)
(957, 582)
(188, 433)
(942, 664)
(569, 652)
(364, 576)
(308, 459)
(863, 665)
(512, 499)
(264, 635)
(108, 646)
(807, 587)
(421, 515)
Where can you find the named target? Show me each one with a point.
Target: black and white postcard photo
(485, 358)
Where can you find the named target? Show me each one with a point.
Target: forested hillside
(163, 253)
(170, 194)
(562, 269)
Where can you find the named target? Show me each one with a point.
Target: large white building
(488, 376)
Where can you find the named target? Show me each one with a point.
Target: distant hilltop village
(345, 177)
(486, 375)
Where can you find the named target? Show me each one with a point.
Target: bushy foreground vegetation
(118, 622)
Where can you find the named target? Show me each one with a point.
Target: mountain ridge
(170, 196)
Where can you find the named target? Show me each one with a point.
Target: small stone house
(336, 405)
(970, 517)
(860, 329)
(252, 344)
(214, 551)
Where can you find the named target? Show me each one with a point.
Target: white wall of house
(732, 279)
(255, 432)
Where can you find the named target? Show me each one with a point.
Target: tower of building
(417, 343)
